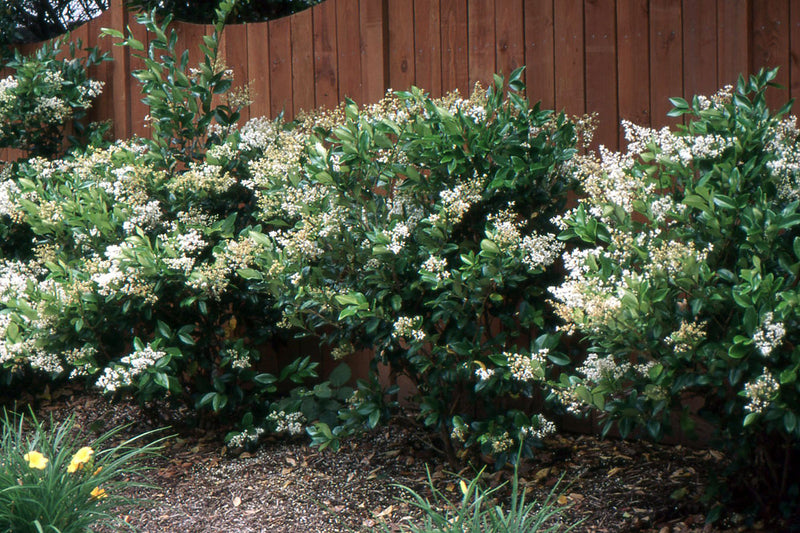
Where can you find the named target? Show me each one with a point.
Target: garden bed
(287, 486)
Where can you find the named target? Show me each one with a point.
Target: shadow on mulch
(286, 486)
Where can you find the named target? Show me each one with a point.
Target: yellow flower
(36, 460)
(98, 493)
(80, 458)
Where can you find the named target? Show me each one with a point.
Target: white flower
(761, 392)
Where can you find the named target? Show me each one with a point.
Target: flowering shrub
(187, 113)
(686, 283)
(49, 481)
(419, 228)
(45, 96)
(122, 270)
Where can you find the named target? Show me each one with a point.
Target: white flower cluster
(118, 273)
(438, 266)
(785, 167)
(145, 217)
(9, 192)
(485, 374)
(15, 276)
(504, 228)
(761, 392)
(502, 443)
(405, 328)
(342, 350)
(51, 109)
(258, 134)
(526, 367)
(238, 358)
(459, 433)
(582, 297)
(7, 86)
(248, 436)
(543, 429)
(769, 336)
(597, 369)
(202, 177)
(291, 423)
(131, 366)
(459, 199)
(398, 237)
(190, 242)
(540, 250)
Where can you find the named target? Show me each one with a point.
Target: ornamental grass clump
(418, 228)
(51, 481)
(684, 280)
(483, 510)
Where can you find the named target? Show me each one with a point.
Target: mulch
(200, 486)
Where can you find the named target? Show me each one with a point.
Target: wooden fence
(619, 58)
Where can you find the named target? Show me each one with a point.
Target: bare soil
(287, 486)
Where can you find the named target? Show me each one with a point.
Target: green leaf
(249, 273)
(788, 376)
(789, 421)
(489, 247)
(162, 380)
(749, 419)
(340, 375)
(558, 358)
(737, 351)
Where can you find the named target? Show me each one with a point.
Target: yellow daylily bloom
(80, 458)
(36, 460)
(98, 493)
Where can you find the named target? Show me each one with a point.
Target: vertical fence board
(258, 68)
(770, 44)
(455, 65)
(374, 38)
(633, 58)
(794, 48)
(235, 52)
(374, 76)
(280, 67)
(427, 46)
(348, 46)
(138, 108)
(510, 39)
(569, 60)
(400, 15)
(103, 107)
(302, 27)
(666, 62)
(601, 68)
(480, 24)
(326, 81)
(189, 38)
(733, 47)
(699, 47)
(117, 84)
(540, 52)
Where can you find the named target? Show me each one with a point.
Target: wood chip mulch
(286, 486)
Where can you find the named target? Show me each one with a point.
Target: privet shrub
(45, 97)
(686, 283)
(130, 282)
(191, 107)
(419, 229)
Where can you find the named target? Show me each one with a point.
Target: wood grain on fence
(620, 58)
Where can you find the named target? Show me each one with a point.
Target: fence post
(120, 82)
